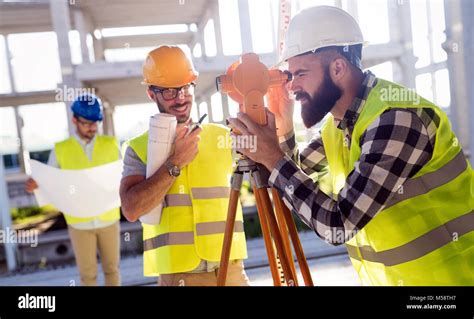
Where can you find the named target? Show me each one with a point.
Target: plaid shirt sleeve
(311, 160)
(393, 148)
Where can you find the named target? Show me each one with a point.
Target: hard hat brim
(173, 85)
(283, 62)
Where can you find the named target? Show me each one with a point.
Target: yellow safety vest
(424, 234)
(70, 155)
(195, 209)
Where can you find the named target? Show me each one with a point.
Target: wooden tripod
(275, 229)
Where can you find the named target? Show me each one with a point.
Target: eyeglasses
(169, 94)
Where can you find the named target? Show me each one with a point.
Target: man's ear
(151, 94)
(338, 69)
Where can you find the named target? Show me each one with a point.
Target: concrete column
(467, 14)
(400, 32)
(23, 156)
(245, 28)
(59, 10)
(81, 27)
(209, 109)
(225, 106)
(9, 65)
(460, 49)
(6, 220)
(217, 28)
(98, 48)
(353, 9)
(200, 40)
(108, 124)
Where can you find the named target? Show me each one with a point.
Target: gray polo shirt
(132, 164)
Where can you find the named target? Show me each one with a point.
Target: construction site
(348, 162)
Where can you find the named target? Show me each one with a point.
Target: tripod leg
(295, 239)
(284, 232)
(229, 228)
(268, 211)
(268, 240)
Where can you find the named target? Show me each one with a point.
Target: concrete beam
(24, 16)
(147, 40)
(116, 70)
(101, 70)
(41, 27)
(379, 53)
(15, 99)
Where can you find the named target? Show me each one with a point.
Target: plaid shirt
(393, 148)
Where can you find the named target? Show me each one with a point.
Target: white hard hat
(318, 27)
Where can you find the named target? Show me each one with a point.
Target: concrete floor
(330, 266)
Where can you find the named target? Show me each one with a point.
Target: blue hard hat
(88, 106)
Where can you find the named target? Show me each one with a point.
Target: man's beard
(316, 108)
(180, 120)
(87, 134)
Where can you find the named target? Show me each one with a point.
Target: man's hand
(267, 149)
(186, 146)
(30, 185)
(280, 104)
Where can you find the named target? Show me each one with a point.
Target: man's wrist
(284, 129)
(174, 161)
(272, 161)
(173, 170)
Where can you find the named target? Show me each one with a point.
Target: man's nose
(294, 88)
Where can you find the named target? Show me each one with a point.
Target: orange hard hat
(168, 66)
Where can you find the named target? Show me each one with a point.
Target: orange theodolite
(247, 81)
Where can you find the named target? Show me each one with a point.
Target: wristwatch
(173, 170)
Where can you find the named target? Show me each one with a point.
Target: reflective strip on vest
(177, 200)
(211, 228)
(198, 193)
(427, 182)
(176, 238)
(426, 243)
(210, 192)
(187, 238)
